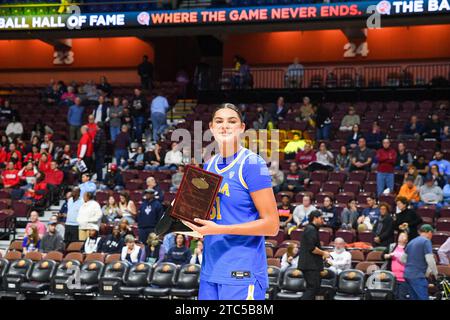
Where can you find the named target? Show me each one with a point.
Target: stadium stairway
(180, 110)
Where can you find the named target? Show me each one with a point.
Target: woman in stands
(234, 262)
(31, 242)
(127, 208)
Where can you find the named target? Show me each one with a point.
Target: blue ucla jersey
(235, 259)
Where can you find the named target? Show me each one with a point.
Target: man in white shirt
(173, 158)
(14, 129)
(302, 211)
(101, 112)
(158, 109)
(340, 259)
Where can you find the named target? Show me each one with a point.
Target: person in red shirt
(10, 176)
(44, 162)
(15, 159)
(305, 157)
(92, 126)
(54, 178)
(386, 157)
(3, 155)
(39, 189)
(85, 148)
(27, 174)
(13, 150)
(34, 155)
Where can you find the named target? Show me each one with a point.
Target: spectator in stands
(14, 128)
(93, 240)
(27, 175)
(38, 190)
(34, 221)
(131, 252)
(158, 109)
(433, 127)
(52, 240)
(306, 110)
(446, 193)
(68, 98)
(412, 130)
(104, 87)
(73, 208)
(152, 184)
(138, 107)
(154, 157)
(100, 145)
(173, 158)
(443, 165)
(285, 211)
(419, 257)
(48, 144)
(349, 215)
(127, 208)
(406, 220)
(343, 160)
(153, 252)
(85, 149)
(371, 214)
(176, 179)
(44, 162)
(290, 258)
(124, 227)
(305, 157)
(60, 228)
(349, 120)
(31, 241)
(421, 165)
(439, 179)
(150, 212)
(311, 255)
(383, 229)
(87, 185)
(10, 177)
(354, 137)
(324, 159)
(386, 158)
(330, 215)
(115, 114)
(404, 158)
(279, 112)
(121, 145)
(179, 254)
(89, 216)
(90, 91)
(410, 191)
(393, 256)
(34, 155)
(294, 74)
(301, 212)
(126, 116)
(374, 137)
(445, 135)
(444, 252)
(101, 112)
(112, 243)
(295, 179)
(113, 179)
(54, 178)
(431, 194)
(75, 119)
(145, 72)
(110, 211)
(262, 118)
(294, 145)
(197, 256)
(323, 122)
(137, 160)
(340, 259)
(92, 127)
(361, 157)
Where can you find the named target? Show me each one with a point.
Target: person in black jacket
(330, 215)
(407, 219)
(150, 212)
(100, 150)
(112, 243)
(113, 179)
(323, 123)
(145, 71)
(384, 227)
(139, 105)
(311, 256)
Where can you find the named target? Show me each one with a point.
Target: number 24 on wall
(351, 51)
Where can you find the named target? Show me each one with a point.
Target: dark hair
(184, 238)
(126, 195)
(386, 205)
(314, 214)
(228, 106)
(90, 195)
(402, 200)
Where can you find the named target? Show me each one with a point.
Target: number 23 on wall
(351, 51)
